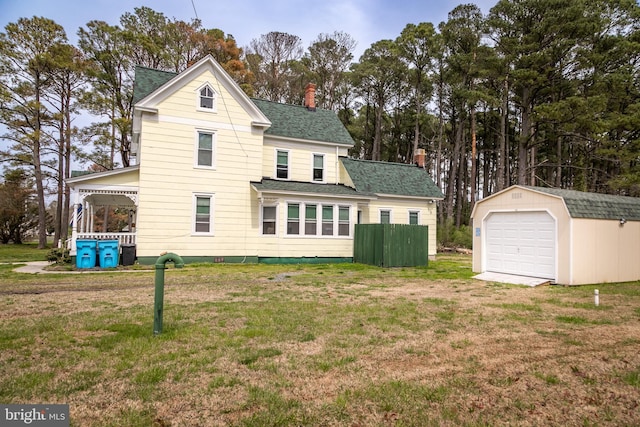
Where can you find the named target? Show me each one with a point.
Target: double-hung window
(269, 220)
(343, 221)
(311, 220)
(414, 217)
(282, 164)
(327, 220)
(205, 150)
(385, 216)
(293, 218)
(203, 218)
(318, 167)
(315, 220)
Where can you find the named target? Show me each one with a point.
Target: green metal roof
(391, 178)
(275, 185)
(296, 121)
(595, 205)
(148, 80)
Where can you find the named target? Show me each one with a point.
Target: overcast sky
(367, 21)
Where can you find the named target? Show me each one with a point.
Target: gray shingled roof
(147, 80)
(275, 185)
(391, 178)
(296, 121)
(594, 205)
(291, 121)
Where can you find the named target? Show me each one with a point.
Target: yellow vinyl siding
(301, 160)
(169, 180)
(127, 179)
(400, 215)
(283, 245)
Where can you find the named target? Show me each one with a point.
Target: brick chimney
(310, 97)
(420, 157)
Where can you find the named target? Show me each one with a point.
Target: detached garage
(568, 237)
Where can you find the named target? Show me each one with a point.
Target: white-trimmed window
(293, 218)
(203, 214)
(269, 220)
(311, 220)
(344, 220)
(282, 164)
(327, 220)
(206, 98)
(205, 150)
(317, 220)
(414, 217)
(318, 168)
(385, 216)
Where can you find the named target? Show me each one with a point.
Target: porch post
(74, 224)
(90, 230)
(85, 217)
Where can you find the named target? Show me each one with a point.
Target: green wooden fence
(391, 245)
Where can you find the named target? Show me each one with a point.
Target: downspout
(337, 167)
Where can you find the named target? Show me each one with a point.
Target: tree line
(536, 92)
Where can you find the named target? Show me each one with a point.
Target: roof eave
(309, 194)
(150, 101)
(406, 196)
(307, 141)
(92, 176)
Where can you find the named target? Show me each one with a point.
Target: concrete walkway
(34, 267)
(38, 267)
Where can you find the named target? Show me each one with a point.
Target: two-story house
(221, 177)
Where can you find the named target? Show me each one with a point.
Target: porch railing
(122, 238)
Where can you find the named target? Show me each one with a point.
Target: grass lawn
(320, 345)
(24, 252)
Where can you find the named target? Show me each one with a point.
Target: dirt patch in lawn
(330, 346)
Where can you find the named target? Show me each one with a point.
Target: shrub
(450, 236)
(59, 256)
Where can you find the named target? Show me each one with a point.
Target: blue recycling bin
(108, 253)
(86, 253)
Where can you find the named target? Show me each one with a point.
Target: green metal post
(158, 304)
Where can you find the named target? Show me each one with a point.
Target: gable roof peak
(155, 85)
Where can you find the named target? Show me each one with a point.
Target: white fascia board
(92, 176)
(310, 195)
(206, 63)
(400, 196)
(276, 138)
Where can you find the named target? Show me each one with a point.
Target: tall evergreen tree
(25, 75)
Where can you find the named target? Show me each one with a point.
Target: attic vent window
(207, 98)
(516, 195)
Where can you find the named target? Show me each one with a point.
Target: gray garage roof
(594, 205)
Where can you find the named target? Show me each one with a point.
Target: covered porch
(88, 202)
(117, 189)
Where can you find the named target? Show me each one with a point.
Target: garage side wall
(516, 199)
(605, 251)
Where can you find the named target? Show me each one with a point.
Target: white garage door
(522, 243)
